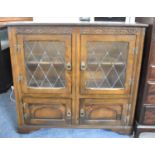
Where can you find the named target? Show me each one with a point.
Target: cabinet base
(127, 131)
(121, 130)
(25, 130)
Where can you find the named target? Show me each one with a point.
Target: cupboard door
(106, 63)
(47, 111)
(103, 111)
(45, 63)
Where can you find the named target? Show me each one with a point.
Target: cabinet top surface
(123, 24)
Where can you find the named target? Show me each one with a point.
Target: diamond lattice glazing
(106, 64)
(45, 63)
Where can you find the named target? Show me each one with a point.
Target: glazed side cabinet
(80, 76)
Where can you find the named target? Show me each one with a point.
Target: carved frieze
(109, 30)
(70, 29)
(44, 30)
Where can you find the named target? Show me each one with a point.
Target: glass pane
(106, 64)
(45, 63)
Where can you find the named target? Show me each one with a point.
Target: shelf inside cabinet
(44, 63)
(107, 63)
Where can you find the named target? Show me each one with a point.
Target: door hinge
(24, 105)
(25, 116)
(129, 107)
(127, 119)
(130, 82)
(17, 47)
(20, 78)
(135, 50)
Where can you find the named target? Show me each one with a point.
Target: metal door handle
(69, 66)
(83, 66)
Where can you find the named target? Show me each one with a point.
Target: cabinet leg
(123, 131)
(25, 130)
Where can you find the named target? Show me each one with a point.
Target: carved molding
(109, 30)
(113, 110)
(44, 30)
(82, 30)
(34, 108)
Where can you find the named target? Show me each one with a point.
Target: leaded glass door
(106, 63)
(45, 63)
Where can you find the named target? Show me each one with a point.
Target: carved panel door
(106, 63)
(45, 111)
(103, 111)
(45, 63)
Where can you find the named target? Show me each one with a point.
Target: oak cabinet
(83, 76)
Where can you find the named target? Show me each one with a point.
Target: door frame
(131, 39)
(21, 60)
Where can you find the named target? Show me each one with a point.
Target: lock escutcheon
(82, 113)
(69, 113)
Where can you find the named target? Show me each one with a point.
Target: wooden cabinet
(76, 75)
(145, 113)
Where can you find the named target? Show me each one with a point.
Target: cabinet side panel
(136, 73)
(143, 75)
(144, 69)
(15, 72)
